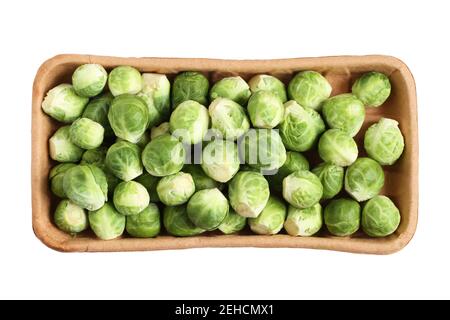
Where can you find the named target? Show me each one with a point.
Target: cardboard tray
(401, 179)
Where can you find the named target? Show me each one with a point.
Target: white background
(416, 32)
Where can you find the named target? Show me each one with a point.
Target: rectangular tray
(401, 179)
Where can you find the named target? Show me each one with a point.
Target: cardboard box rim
(53, 238)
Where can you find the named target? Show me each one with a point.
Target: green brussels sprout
(150, 183)
(145, 224)
(265, 109)
(124, 161)
(342, 217)
(263, 149)
(364, 179)
(345, 112)
(70, 218)
(86, 134)
(338, 148)
(331, 177)
(89, 79)
(97, 110)
(163, 156)
(228, 118)
(302, 189)
(384, 141)
(190, 85)
(304, 222)
(309, 89)
(207, 208)
(56, 178)
(372, 88)
(61, 148)
(232, 223)
(106, 222)
(157, 87)
(294, 161)
(63, 104)
(380, 217)
(177, 223)
(130, 197)
(97, 157)
(153, 114)
(175, 189)
(233, 88)
(128, 116)
(264, 82)
(124, 79)
(248, 192)
(189, 121)
(301, 127)
(220, 160)
(271, 219)
(86, 186)
(201, 179)
(163, 128)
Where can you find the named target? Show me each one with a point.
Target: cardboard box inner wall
(401, 183)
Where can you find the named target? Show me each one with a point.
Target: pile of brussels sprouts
(136, 151)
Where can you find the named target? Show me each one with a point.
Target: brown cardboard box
(401, 179)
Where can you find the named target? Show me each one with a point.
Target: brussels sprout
(265, 109)
(248, 193)
(70, 218)
(304, 222)
(124, 161)
(331, 177)
(342, 217)
(97, 110)
(233, 88)
(228, 118)
(384, 141)
(263, 149)
(309, 89)
(145, 224)
(86, 134)
(380, 217)
(86, 186)
(153, 114)
(364, 179)
(157, 87)
(189, 121)
(89, 79)
(302, 189)
(201, 179)
(338, 148)
(294, 161)
(56, 178)
(124, 79)
(128, 116)
(63, 104)
(373, 89)
(268, 83)
(175, 189)
(301, 127)
(232, 223)
(190, 85)
(220, 160)
(61, 148)
(207, 208)
(106, 222)
(163, 156)
(345, 112)
(178, 224)
(163, 128)
(150, 183)
(271, 219)
(130, 197)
